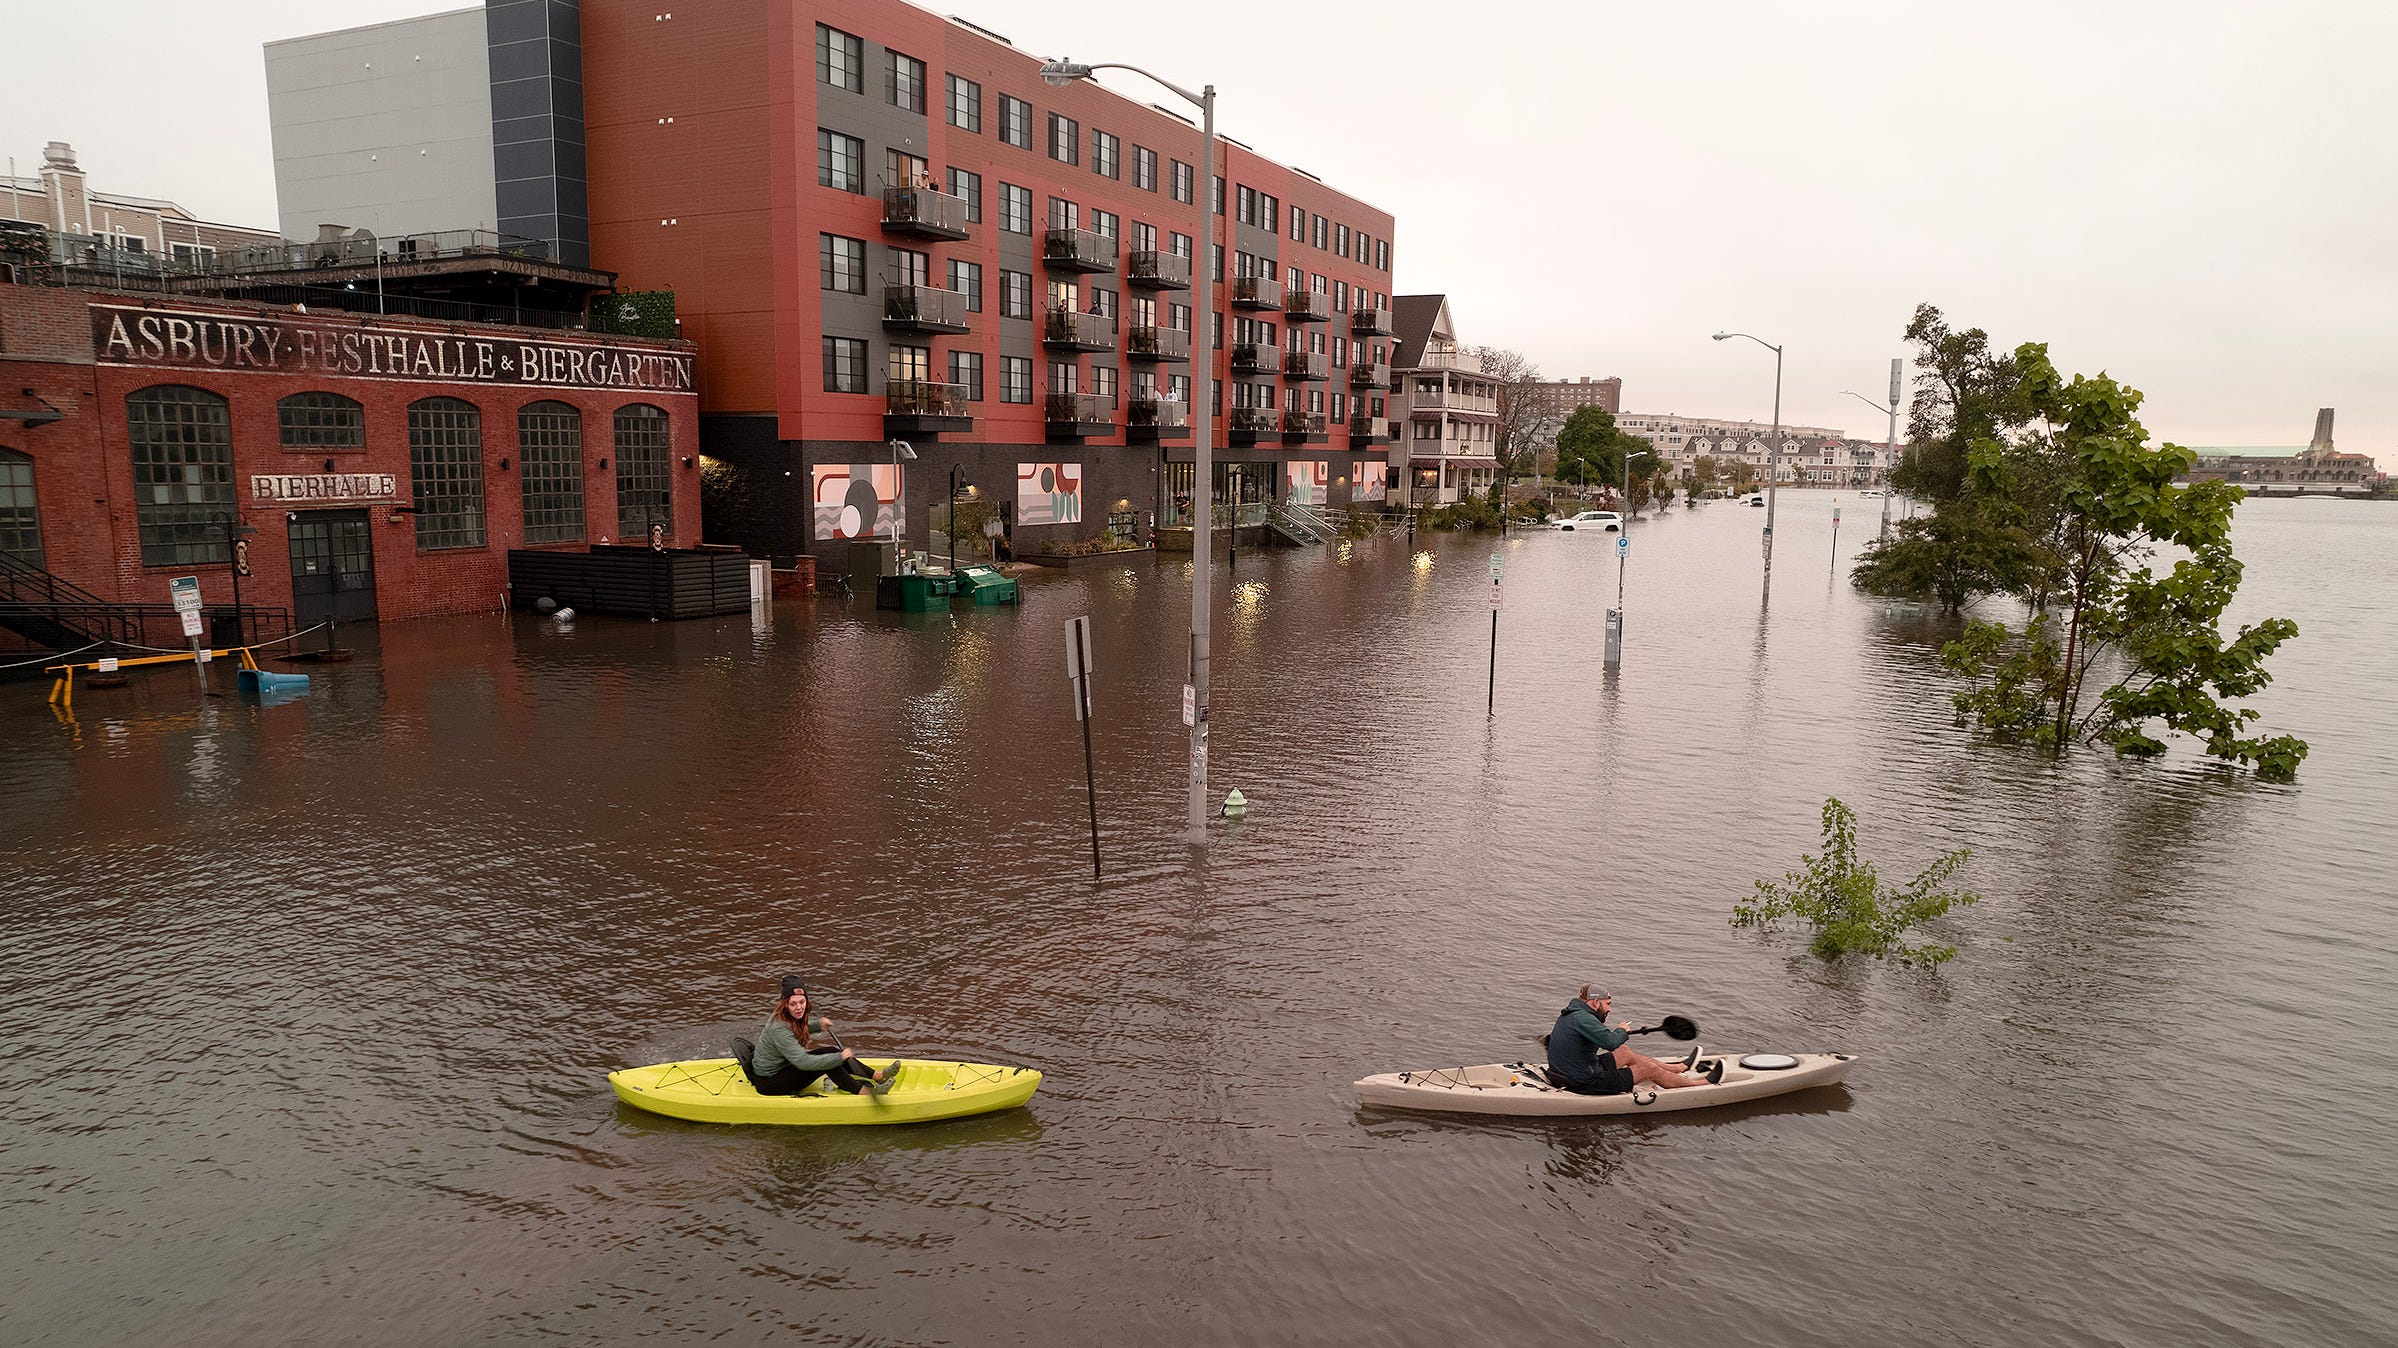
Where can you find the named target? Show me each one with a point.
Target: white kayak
(1524, 1089)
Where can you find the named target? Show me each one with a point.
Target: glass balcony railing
(1256, 292)
(1153, 343)
(1306, 306)
(1078, 331)
(1308, 365)
(924, 309)
(1303, 424)
(1254, 358)
(1155, 412)
(1158, 271)
(924, 398)
(1077, 250)
(1369, 376)
(1370, 322)
(1256, 421)
(1080, 410)
(924, 213)
(1369, 430)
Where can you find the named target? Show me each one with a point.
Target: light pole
(1059, 74)
(1890, 449)
(900, 449)
(1773, 447)
(1629, 456)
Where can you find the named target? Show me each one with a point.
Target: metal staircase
(57, 615)
(1305, 526)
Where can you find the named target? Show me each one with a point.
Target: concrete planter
(1066, 563)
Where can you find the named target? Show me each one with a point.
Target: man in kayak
(786, 1061)
(1590, 1057)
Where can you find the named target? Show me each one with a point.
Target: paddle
(1675, 1027)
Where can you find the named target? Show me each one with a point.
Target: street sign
(108, 666)
(1078, 663)
(1190, 705)
(191, 622)
(1623, 545)
(241, 556)
(1494, 596)
(1498, 566)
(186, 590)
(1835, 514)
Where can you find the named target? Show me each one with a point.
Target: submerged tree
(1852, 911)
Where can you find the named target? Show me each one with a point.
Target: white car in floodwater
(1606, 521)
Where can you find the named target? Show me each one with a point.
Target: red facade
(90, 356)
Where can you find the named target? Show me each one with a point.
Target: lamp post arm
(1193, 99)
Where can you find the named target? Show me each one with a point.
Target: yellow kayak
(713, 1090)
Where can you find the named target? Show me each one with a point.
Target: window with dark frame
(644, 477)
(1107, 154)
(445, 473)
(844, 365)
(317, 421)
(1323, 231)
(840, 59)
(1182, 182)
(841, 263)
(1065, 139)
(20, 509)
(1015, 379)
(966, 278)
(968, 187)
(1015, 122)
(1015, 208)
(182, 442)
(1015, 294)
(1144, 168)
(965, 104)
(966, 371)
(549, 456)
(903, 81)
(840, 161)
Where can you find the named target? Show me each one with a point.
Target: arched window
(643, 492)
(20, 513)
(321, 421)
(549, 448)
(445, 472)
(182, 442)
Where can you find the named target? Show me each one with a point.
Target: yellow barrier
(62, 693)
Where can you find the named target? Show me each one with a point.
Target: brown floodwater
(307, 1007)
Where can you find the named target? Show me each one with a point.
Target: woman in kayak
(1588, 1056)
(787, 1061)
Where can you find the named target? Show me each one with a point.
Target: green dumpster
(986, 585)
(915, 594)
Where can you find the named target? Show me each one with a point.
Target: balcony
(1256, 292)
(1066, 330)
(1306, 306)
(1254, 358)
(922, 213)
(1153, 270)
(1444, 357)
(1156, 344)
(1077, 250)
(1307, 366)
(1077, 416)
(1370, 322)
(1437, 400)
(1303, 428)
(921, 407)
(1249, 425)
(1153, 416)
(1369, 376)
(1369, 430)
(913, 308)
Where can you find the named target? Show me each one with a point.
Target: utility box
(986, 585)
(870, 558)
(915, 593)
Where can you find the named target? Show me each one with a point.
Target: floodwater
(306, 1007)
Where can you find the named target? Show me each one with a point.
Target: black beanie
(793, 983)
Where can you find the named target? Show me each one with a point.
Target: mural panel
(1305, 482)
(1373, 480)
(857, 500)
(1048, 493)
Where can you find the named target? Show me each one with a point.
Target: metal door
(332, 567)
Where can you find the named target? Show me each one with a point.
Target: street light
(1773, 447)
(900, 449)
(1629, 456)
(1059, 74)
(1890, 450)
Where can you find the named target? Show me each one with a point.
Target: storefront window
(549, 445)
(643, 492)
(445, 472)
(182, 441)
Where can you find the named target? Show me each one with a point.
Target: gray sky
(2199, 197)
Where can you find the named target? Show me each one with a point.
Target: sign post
(1078, 677)
(1498, 572)
(1835, 538)
(186, 592)
(1615, 616)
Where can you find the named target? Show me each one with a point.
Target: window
(1144, 169)
(1015, 208)
(1178, 316)
(1015, 379)
(840, 161)
(1065, 139)
(1064, 214)
(1215, 261)
(1340, 353)
(1015, 122)
(968, 187)
(1015, 294)
(1299, 225)
(1340, 297)
(1144, 237)
(1179, 385)
(1065, 294)
(549, 455)
(844, 365)
(20, 511)
(1063, 376)
(1269, 216)
(445, 473)
(966, 278)
(1105, 224)
(1340, 240)
(182, 473)
(911, 267)
(1182, 182)
(1323, 231)
(1216, 200)
(1180, 243)
(1340, 406)
(840, 59)
(1103, 381)
(966, 371)
(1245, 205)
(903, 81)
(841, 263)
(644, 482)
(1382, 255)
(321, 421)
(965, 104)
(192, 256)
(1103, 302)
(908, 365)
(1107, 154)
(901, 169)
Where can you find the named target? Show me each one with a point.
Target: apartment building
(85, 224)
(1680, 440)
(1447, 410)
(1003, 281)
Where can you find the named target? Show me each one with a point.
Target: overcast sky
(2200, 198)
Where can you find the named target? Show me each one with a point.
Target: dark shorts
(1606, 1079)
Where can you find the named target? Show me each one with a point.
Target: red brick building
(386, 464)
(880, 223)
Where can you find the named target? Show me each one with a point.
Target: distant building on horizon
(2320, 469)
(90, 226)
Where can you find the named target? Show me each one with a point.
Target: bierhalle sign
(275, 344)
(323, 488)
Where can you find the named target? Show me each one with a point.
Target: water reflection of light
(1423, 561)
